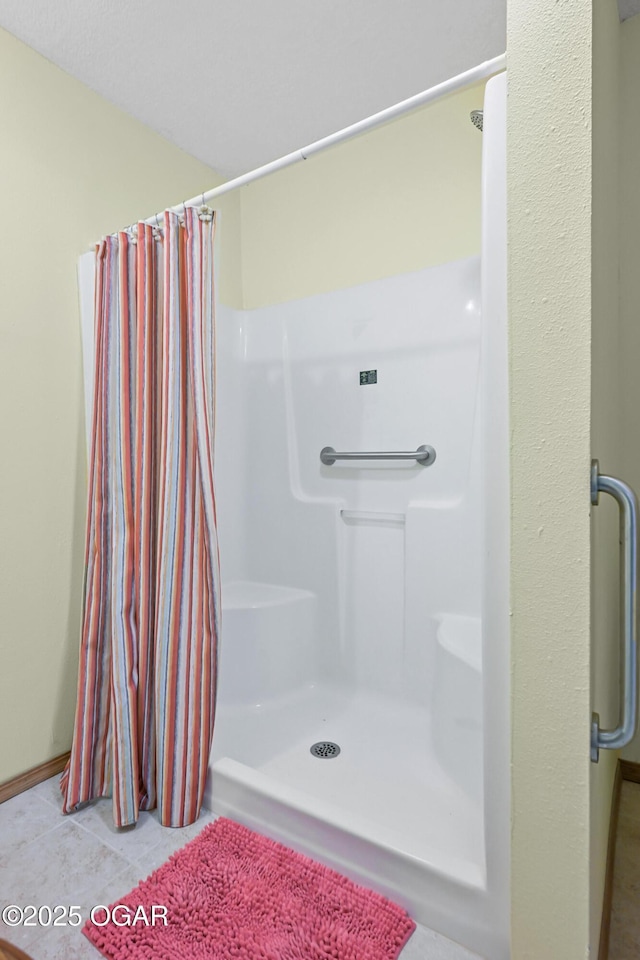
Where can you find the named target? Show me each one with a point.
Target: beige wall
(397, 199)
(606, 435)
(549, 263)
(72, 168)
(630, 264)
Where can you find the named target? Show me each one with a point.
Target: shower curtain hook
(205, 213)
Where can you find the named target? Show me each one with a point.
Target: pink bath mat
(232, 893)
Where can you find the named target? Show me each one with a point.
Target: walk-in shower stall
(362, 696)
(362, 703)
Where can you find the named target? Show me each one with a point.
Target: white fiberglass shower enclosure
(365, 602)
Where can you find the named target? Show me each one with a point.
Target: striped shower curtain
(148, 657)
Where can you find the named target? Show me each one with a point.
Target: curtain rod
(481, 72)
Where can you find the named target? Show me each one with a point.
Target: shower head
(476, 118)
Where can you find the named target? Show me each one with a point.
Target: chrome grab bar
(626, 499)
(424, 455)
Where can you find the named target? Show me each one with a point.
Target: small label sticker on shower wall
(368, 376)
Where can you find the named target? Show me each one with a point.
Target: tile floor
(624, 937)
(83, 860)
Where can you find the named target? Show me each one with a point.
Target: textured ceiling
(239, 82)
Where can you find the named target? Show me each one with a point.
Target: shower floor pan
(384, 811)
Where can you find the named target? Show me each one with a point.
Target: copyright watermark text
(120, 914)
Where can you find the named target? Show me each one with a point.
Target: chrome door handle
(626, 499)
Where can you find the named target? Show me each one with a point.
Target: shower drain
(325, 749)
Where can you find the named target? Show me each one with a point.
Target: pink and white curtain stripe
(148, 657)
